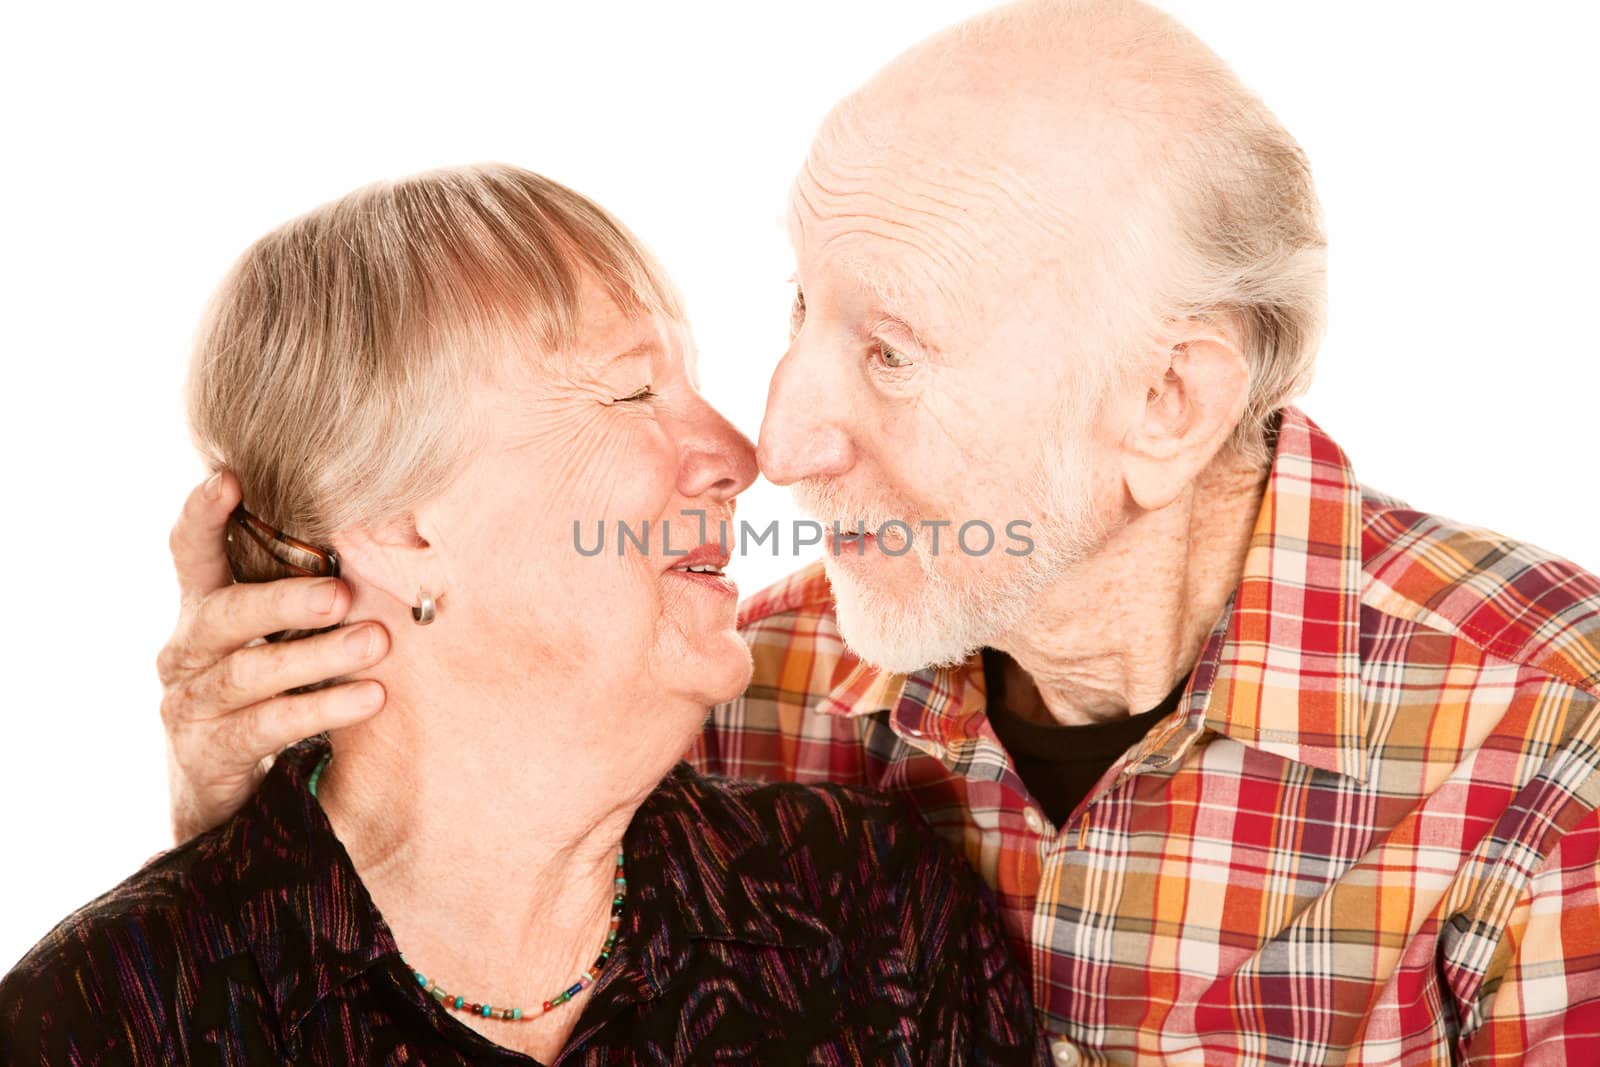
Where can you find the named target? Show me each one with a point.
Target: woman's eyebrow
(647, 349)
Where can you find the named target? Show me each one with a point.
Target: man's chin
(900, 636)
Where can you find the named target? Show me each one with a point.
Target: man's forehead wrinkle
(964, 230)
(1009, 161)
(845, 206)
(795, 212)
(864, 207)
(967, 162)
(990, 197)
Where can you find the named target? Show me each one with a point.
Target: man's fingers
(230, 618)
(251, 675)
(214, 764)
(215, 754)
(266, 728)
(197, 539)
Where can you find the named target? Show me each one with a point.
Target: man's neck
(1126, 625)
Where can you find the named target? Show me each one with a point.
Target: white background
(145, 148)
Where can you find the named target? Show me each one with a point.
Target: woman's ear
(392, 558)
(1194, 398)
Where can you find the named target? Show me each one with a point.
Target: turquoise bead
(460, 1001)
(487, 1011)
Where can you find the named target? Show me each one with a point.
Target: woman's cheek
(630, 474)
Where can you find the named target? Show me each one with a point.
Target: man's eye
(891, 357)
(797, 313)
(642, 393)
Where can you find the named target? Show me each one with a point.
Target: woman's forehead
(610, 333)
(643, 338)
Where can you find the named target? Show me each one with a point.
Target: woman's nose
(718, 460)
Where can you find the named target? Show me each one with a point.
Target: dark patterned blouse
(764, 924)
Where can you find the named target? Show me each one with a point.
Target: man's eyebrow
(891, 296)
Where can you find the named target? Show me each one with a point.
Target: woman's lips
(704, 566)
(714, 581)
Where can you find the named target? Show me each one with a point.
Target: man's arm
(225, 703)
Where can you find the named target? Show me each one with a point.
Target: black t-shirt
(1060, 764)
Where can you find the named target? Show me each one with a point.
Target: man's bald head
(1101, 143)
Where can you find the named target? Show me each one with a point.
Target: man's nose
(802, 434)
(718, 461)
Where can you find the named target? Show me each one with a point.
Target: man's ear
(1194, 397)
(392, 558)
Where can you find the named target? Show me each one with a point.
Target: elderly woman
(422, 387)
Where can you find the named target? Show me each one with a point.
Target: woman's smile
(704, 567)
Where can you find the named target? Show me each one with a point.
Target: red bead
(548, 1005)
(474, 1008)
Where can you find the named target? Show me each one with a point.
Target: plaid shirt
(1368, 834)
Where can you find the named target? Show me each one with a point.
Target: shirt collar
(1281, 671)
(1286, 676)
(929, 709)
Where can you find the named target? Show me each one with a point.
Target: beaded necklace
(456, 1002)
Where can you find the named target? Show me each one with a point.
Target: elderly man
(1265, 767)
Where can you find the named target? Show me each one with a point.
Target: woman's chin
(720, 671)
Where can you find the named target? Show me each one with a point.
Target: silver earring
(423, 611)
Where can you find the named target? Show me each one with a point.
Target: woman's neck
(488, 847)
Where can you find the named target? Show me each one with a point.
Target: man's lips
(854, 541)
(850, 542)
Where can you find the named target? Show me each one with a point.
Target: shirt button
(1034, 820)
(1064, 1053)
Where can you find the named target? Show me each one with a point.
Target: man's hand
(225, 704)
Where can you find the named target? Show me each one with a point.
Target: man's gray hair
(1251, 240)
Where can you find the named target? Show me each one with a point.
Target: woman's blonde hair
(332, 366)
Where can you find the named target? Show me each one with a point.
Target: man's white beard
(941, 625)
(944, 623)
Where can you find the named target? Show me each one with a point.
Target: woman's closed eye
(644, 392)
